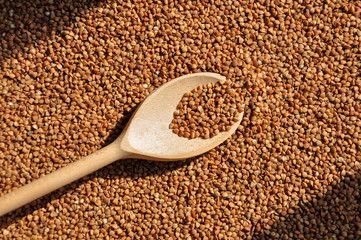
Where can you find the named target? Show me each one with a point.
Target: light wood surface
(147, 136)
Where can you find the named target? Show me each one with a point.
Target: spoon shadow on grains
(336, 213)
(25, 25)
(127, 169)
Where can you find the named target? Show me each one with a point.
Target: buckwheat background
(72, 72)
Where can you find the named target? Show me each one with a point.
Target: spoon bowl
(146, 136)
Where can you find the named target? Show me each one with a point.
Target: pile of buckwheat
(207, 110)
(73, 71)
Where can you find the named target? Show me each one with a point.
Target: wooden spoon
(146, 136)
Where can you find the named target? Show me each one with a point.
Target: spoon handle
(61, 177)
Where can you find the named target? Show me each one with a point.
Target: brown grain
(71, 73)
(208, 110)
